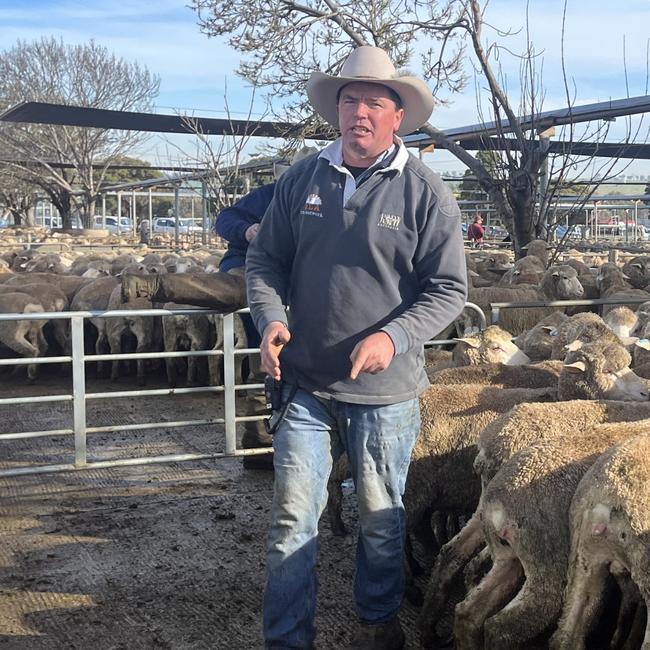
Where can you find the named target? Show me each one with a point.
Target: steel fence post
(78, 391)
(229, 401)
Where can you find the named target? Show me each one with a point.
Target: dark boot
(220, 291)
(384, 636)
(255, 434)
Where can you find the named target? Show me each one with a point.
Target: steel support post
(78, 391)
(229, 400)
(176, 217)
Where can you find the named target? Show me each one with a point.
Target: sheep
(144, 329)
(586, 276)
(561, 282)
(637, 271)
(610, 530)
(537, 342)
(558, 283)
(492, 345)
(605, 376)
(69, 284)
(641, 348)
(95, 296)
(537, 375)
(538, 248)
(526, 270)
(23, 336)
(52, 299)
(586, 327)
(613, 284)
(622, 321)
(97, 269)
(45, 263)
(642, 314)
(525, 523)
(184, 332)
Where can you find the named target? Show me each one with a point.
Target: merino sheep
(188, 333)
(610, 530)
(69, 284)
(538, 248)
(622, 321)
(613, 284)
(525, 521)
(585, 327)
(145, 329)
(492, 345)
(637, 270)
(524, 425)
(558, 283)
(536, 375)
(526, 270)
(23, 336)
(537, 342)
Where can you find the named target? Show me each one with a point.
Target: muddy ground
(160, 556)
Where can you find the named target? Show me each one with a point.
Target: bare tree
(285, 40)
(63, 159)
(17, 198)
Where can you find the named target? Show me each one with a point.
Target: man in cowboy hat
(364, 244)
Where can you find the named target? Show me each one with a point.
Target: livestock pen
(110, 541)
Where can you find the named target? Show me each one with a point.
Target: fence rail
(79, 397)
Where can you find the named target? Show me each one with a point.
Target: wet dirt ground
(166, 556)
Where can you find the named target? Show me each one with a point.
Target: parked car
(126, 225)
(167, 225)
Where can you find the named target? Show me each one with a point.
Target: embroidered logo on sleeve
(390, 221)
(312, 207)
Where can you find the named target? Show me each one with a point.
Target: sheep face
(565, 283)
(594, 371)
(493, 345)
(638, 271)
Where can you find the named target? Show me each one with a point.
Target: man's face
(368, 119)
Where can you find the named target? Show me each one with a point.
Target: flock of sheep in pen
(31, 281)
(528, 495)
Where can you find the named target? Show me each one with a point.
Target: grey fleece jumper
(391, 258)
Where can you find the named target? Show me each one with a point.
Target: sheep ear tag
(472, 342)
(576, 366)
(643, 343)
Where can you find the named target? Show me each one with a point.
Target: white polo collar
(333, 153)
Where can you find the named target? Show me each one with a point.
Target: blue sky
(197, 72)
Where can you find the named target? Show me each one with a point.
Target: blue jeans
(378, 441)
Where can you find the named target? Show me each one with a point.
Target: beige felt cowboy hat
(371, 64)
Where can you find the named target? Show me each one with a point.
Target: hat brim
(417, 100)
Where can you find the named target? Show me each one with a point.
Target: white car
(168, 225)
(126, 225)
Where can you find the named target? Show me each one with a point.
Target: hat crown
(368, 62)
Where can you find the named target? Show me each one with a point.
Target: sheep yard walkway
(159, 556)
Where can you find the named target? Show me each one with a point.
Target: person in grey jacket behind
(363, 243)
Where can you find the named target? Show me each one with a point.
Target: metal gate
(79, 396)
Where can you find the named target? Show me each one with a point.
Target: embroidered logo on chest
(312, 207)
(390, 221)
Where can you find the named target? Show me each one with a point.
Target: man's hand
(251, 232)
(372, 354)
(275, 337)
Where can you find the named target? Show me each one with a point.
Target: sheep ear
(549, 328)
(576, 366)
(556, 274)
(637, 265)
(625, 277)
(643, 343)
(472, 274)
(573, 346)
(473, 342)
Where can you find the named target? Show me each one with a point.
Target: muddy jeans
(378, 441)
